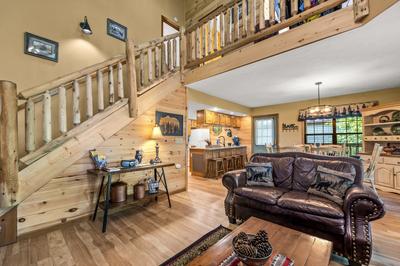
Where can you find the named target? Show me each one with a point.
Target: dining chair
(370, 172)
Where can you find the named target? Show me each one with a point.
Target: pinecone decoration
(261, 237)
(243, 236)
(247, 251)
(263, 250)
(240, 242)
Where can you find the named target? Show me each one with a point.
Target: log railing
(54, 108)
(242, 22)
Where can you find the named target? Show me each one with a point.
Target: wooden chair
(370, 172)
(330, 150)
(215, 167)
(229, 163)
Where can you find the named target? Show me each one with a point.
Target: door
(265, 132)
(384, 175)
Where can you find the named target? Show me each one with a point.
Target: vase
(139, 156)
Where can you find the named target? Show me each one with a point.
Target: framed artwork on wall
(40, 47)
(170, 124)
(116, 30)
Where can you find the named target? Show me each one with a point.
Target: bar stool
(230, 163)
(239, 161)
(215, 167)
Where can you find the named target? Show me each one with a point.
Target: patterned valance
(344, 110)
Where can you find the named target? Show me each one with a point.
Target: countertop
(217, 148)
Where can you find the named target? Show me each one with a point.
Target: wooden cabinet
(397, 177)
(207, 117)
(384, 175)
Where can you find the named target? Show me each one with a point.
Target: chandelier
(320, 110)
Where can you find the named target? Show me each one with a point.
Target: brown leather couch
(289, 204)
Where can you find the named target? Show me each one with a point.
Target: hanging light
(85, 27)
(319, 111)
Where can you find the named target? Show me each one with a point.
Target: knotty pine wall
(73, 193)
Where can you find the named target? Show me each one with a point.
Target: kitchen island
(199, 157)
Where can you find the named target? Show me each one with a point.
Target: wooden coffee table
(302, 248)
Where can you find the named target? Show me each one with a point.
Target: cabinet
(207, 117)
(397, 177)
(384, 175)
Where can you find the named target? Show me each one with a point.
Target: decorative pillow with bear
(259, 174)
(331, 184)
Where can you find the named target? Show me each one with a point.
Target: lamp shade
(156, 134)
(85, 27)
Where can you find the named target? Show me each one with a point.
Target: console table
(159, 175)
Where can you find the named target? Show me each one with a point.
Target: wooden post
(252, 15)
(169, 51)
(244, 18)
(222, 29)
(271, 12)
(75, 103)
(141, 69)
(8, 143)
(89, 96)
(197, 44)
(111, 84)
(295, 7)
(307, 4)
(261, 14)
(131, 77)
(30, 126)
(150, 63)
(236, 32)
(204, 39)
(192, 46)
(215, 34)
(163, 59)
(47, 117)
(62, 114)
(174, 54)
(360, 9)
(228, 30)
(120, 81)
(100, 90)
(157, 61)
(283, 10)
(183, 55)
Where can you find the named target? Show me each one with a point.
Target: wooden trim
(170, 22)
(324, 27)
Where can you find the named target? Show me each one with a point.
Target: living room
(200, 133)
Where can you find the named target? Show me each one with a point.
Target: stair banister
(131, 77)
(8, 143)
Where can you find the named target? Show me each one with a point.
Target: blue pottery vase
(139, 156)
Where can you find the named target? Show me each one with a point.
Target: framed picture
(170, 124)
(40, 47)
(116, 30)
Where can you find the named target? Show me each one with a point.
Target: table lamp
(156, 135)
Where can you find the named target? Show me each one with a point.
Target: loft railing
(243, 22)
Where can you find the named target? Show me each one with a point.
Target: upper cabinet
(207, 117)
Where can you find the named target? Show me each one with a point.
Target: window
(346, 130)
(264, 129)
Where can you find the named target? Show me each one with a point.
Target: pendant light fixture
(320, 110)
(85, 27)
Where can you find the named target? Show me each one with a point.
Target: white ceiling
(361, 60)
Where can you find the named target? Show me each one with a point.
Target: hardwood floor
(148, 236)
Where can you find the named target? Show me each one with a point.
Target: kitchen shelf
(131, 201)
(391, 138)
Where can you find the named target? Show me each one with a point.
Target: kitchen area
(219, 140)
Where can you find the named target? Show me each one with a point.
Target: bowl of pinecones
(252, 250)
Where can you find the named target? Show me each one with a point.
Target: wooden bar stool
(230, 163)
(239, 161)
(215, 167)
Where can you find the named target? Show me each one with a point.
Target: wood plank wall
(73, 193)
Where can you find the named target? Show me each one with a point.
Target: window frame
(170, 22)
(275, 129)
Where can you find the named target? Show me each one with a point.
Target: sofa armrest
(234, 179)
(361, 205)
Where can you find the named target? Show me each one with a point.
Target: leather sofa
(289, 204)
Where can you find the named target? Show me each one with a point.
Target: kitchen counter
(199, 157)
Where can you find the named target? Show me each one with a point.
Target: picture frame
(41, 47)
(117, 30)
(170, 124)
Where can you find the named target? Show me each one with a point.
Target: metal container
(138, 191)
(118, 191)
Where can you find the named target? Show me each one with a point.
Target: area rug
(198, 247)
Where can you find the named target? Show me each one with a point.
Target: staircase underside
(327, 26)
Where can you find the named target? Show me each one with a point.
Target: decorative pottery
(138, 191)
(118, 191)
(228, 132)
(250, 261)
(153, 186)
(129, 163)
(384, 119)
(236, 141)
(378, 131)
(216, 130)
(396, 116)
(395, 129)
(139, 156)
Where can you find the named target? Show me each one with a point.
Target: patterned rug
(198, 247)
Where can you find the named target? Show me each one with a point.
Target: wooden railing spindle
(307, 4)
(228, 30)
(150, 63)
(236, 32)
(294, 7)
(174, 54)
(283, 10)
(244, 18)
(30, 126)
(252, 16)
(120, 81)
(157, 61)
(141, 69)
(271, 12)
(100, 90)
(111, 85)
(192, 46)
(75, 103)
(47, 137)
(209, 37)
(261, 13)
(197, 44)
(89, 96)
(215, 27)
(62, 112)
(169, 55)
(204, 39)
(222, 29)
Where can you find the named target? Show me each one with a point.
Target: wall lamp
(85, 27)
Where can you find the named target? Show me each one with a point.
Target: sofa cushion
(311, 204)
(259, 174)
(282, 169)
(267, 195)
(305, 170)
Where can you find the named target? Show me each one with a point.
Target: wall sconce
(85, 27)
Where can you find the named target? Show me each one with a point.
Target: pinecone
(246, 251)
(243, 236)
(240, 242)
(261, 237)
(263, 250)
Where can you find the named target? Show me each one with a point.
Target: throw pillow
(331, 184)
(259, 174)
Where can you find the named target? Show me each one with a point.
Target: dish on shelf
(395, 129)
(396, 116)
(378, 131)
(384, 119)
